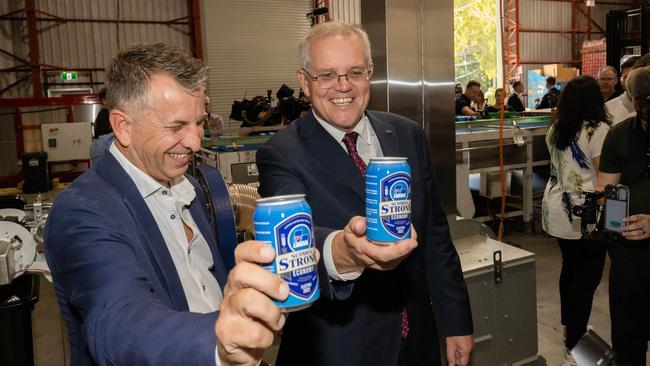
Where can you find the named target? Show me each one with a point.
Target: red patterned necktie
(350, 141)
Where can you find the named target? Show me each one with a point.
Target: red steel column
(194, 16)
(34, 53)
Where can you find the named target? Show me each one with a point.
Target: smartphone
(617, 199)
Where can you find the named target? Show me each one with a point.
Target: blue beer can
(388, 200)
(285, 223)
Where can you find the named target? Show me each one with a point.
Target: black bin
(35, 172)
(17, 301)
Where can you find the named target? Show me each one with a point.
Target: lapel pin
(389, 132)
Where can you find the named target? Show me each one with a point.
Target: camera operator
(625, 159)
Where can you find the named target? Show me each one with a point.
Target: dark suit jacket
(115, 280)
(515, 103)
(549, 100)
(360, 324)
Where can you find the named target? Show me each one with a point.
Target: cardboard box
(560, 72)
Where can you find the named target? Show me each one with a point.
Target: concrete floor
(51, 350)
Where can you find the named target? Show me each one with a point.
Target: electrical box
(67, 141)
(501, 283)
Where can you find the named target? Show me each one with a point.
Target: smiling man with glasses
(625, 159)
(375, 307)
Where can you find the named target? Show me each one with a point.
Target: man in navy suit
(375, 307)
(135, 264)
(516, 99)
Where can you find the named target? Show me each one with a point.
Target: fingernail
(267, 251)
(283, 318)
(283, 290)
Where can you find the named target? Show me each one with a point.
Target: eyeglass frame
(366, 79)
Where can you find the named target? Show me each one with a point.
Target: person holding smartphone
(625, 159)
(574, 141)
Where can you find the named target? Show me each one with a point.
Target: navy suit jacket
(515, 103)
(116, 283)
(358, 323)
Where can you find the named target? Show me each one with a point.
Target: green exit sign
(68, 75)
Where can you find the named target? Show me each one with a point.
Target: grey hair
(329, 29)
(638, 82)
(610, 68)
(129, 73)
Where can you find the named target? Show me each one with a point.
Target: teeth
(341, 101)
(179, 156)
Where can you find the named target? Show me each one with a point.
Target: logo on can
(388, 200)
(285, 223)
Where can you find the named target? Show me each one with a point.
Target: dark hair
(128, 75)
(642, 61)
(550, 80)
(102, 94)
(629, 62)
(472, 83)
(580, 101)
(516, 84)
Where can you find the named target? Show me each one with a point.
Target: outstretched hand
(352, 252)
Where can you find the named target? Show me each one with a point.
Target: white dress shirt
(621, 108)
(192, 259)
(368, 147)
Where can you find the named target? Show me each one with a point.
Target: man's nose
(192, 136)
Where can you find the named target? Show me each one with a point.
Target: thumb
(358, 225)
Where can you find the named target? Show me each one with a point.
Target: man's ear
(122, 126)
(304, 84)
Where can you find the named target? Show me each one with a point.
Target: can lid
(387, 159)
(280, 199)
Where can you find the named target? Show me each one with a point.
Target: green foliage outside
(475, 44)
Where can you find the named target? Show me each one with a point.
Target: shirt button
(203, 287)
(172, 217)
(164, 192)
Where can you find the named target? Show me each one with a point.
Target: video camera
(598, 223)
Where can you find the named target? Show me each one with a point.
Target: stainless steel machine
(20, 234)
(413, 58)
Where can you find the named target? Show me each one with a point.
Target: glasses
(329, 79)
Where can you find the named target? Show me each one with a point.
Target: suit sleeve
(124, 320)
(444, 274)
(277, 178)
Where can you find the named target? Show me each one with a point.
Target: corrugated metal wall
(348, 11)
(251, 46)
(87, 45)
(552, 15)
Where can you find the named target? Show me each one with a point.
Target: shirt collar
(362, 128)
(147, 185)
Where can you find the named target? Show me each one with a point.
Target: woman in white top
(574, 141)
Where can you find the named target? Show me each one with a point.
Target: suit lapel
(386, 134)
(112, 172)
(331, 154)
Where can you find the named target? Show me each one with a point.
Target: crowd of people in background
(598, 136)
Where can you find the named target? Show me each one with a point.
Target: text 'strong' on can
(388, 200)
(285, 223)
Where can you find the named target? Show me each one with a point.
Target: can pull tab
(498, 266)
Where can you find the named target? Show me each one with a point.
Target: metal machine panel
(413, 57)
(503, 306)
(66, 141)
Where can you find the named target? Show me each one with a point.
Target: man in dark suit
(516, 101)
(136, 269)
(549, 100)
(375, 307)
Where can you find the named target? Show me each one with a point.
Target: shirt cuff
(329, 261)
